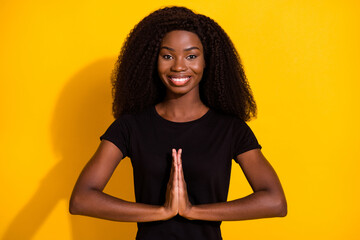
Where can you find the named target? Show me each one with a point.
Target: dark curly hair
(135, 80)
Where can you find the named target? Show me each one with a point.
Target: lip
(178, 80)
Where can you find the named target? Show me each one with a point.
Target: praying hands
(177, 200)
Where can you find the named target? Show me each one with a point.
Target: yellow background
(302, 59)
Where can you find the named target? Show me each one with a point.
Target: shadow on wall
(81, 115)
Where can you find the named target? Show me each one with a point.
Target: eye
(167, 56)
(192, 56)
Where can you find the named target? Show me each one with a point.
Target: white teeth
(179, 79)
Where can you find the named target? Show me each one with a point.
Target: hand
(177, 200)
(171, 204)
(184, 203)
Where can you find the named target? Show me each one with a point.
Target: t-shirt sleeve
(243, 138)
(118, 134)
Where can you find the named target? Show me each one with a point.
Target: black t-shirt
(208, 146)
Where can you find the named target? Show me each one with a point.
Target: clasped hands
(177, 200)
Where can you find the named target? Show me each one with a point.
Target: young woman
(181, 100)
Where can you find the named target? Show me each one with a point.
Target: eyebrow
(186, 49)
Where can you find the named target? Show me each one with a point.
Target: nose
(179, 65)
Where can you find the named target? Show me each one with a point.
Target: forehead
(181, 39)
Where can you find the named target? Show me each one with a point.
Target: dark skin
(180, 66)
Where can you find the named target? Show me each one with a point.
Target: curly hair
(135, 80)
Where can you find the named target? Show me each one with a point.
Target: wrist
(187, 212)
(166, 213)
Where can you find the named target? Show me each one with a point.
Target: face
(181, 62)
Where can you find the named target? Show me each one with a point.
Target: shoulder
(228, 119)
(237, 126)
(125, 123)
(228, 123)
(129, 118)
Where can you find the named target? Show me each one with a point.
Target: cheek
(199, 67)
(162, 67)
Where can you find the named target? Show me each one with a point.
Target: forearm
(95, 203)
(261, 204)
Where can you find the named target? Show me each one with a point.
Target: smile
(179, 81)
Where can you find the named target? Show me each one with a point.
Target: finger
(173, 163)
(175, 166)
(179, 161)
(180, 166)
(181, 175)
(174, 155)
(173, 172)
(179, 156)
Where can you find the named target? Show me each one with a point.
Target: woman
(181, 100)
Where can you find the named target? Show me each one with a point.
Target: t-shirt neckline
(158, 116)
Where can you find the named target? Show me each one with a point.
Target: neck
(181, 107)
